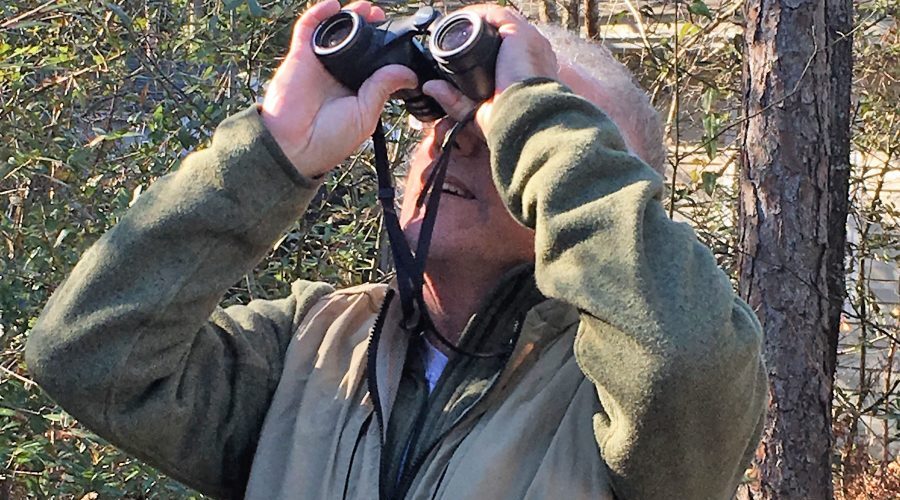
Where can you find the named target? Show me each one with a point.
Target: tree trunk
(840, 24)
(570, 15)
(547, 13)
(591, 12)
(793, 212)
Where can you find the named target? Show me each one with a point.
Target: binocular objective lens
(455, 35)
(335, 34)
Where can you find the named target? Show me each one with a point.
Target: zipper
(372, 378)
(440, 480)
(410, 473)
(411, 440)
(363, 430)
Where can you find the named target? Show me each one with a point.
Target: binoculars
(461, 48)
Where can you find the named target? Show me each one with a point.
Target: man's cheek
(408, 208)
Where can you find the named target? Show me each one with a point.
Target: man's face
(473, 225)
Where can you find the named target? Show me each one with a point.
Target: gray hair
(611, 87)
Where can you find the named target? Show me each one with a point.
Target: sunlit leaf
(120, 13)
(231, 4)
(255, 9)
(709, 181)
(700, 8)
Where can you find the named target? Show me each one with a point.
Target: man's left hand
(524, 54)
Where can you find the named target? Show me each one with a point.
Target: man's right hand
(316, 121)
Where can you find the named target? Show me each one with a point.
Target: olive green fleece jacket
(635, 373)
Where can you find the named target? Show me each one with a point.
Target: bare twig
(676, 102)
(16, 376)
(25, 15)
(639, 21)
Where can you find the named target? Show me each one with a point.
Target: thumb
(376, 90)
(452, 100)
(483, 116)
(305, 26)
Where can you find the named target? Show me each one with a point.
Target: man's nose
(469, 141)
(466, 143)
(441, 130)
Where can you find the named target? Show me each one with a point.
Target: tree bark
(591, 13)
(792, 212)
(839, 24)
(570, 15)
(547, 12)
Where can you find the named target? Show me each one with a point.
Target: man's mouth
(453, 187)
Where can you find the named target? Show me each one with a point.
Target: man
(615, 361)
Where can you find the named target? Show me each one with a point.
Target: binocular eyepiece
(461, 48)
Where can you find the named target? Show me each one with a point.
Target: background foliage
(98, 99)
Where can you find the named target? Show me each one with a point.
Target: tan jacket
(641, 374)
(530, 437)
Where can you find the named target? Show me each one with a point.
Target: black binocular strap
(403, 258)
(410, 268)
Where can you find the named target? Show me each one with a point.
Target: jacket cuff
(520, 99)
(249, 123)
(531, 124)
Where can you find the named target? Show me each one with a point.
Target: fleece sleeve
(133, 343)
(674, 355)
